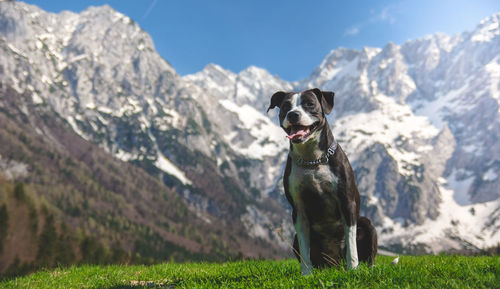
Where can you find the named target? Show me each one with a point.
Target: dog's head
(302, 113)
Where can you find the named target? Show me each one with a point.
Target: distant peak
(100, 9)
(491, 19)
(391, 45)
(371, 51)
(390, 49)
(212, 66)
(254, 70)
(210, 70)
(215, 68)
(487, 29)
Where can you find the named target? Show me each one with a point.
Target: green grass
(411, 272)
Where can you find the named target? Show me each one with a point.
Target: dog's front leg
(349, 204)
(352, 250)
(303, 236)
(350, 213)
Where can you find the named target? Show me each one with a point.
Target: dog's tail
(367, 241)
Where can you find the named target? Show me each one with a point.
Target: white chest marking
(320, 179)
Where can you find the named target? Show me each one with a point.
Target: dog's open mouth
(299, 133)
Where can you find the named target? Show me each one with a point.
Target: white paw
(352, 265)
(305, 269)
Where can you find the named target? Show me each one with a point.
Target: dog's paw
(306, 273)
(352, 265)
(306, 270)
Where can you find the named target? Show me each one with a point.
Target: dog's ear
(326, 99)
(276, 100)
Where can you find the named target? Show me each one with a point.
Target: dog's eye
(309, 104)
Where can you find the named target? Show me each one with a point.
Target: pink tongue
(297, 134)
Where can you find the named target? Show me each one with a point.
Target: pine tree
(65, 254)
(4, 225)
(19, 192)
(47, 243)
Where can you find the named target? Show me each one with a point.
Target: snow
(172, 117)
(487, 32)
(46, 79)
(471, 148)
(105, 109)
(16, 50)
(371, 51)
(269, 138)
(36, 98)
(490, 175)
(454, 221)
(493, 68)
(470, 226)
(78, 58)
(344, 69)
(12, 169)
(133, 106)
(436, 110)
(125, 156)
(165, 164)
(102, 120)
(387, 125)
(161, 162)
(168, 167)
(460, 185)
(39, 44)
(144, 122)
(74, 126)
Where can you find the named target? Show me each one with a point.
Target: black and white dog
(320, 186)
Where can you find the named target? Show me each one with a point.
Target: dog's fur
(324, 197)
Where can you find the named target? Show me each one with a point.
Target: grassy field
(411, 272)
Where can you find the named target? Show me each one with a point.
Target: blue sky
(288, 38)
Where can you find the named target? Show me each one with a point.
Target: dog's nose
(293, 116)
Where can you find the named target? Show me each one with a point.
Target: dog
(320, 186)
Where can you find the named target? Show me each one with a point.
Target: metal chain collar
(323, 160)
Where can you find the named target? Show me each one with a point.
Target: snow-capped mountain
(99, 71)
(420, 124)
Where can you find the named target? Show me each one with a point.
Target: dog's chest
(318, 183)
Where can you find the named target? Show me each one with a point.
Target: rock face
(418, 121)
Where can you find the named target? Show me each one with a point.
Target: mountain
(136, 153)
(420, 124)
(118, 146)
